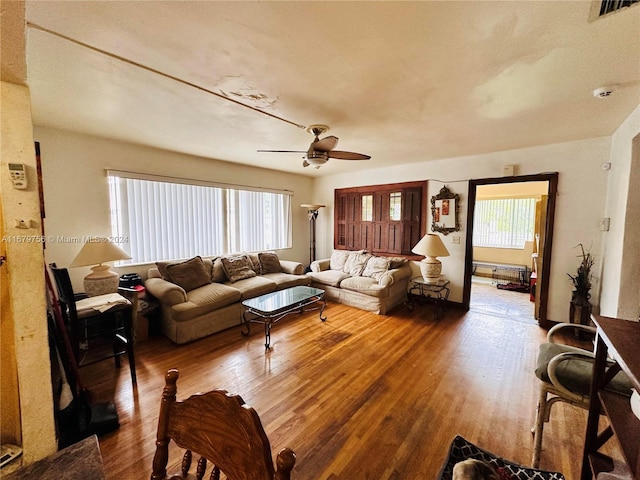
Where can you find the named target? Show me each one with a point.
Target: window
(395, 206)
(367, 208)
(159, 218)
(504, 223)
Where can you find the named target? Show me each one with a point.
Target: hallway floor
(488, 299)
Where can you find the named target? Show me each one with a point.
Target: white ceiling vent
(608, 6)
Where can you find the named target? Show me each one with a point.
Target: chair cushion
(88, 307)
(462, 449)
(574, 375)
(190, 274)
(238, 267)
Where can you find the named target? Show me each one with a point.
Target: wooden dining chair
(220, 428)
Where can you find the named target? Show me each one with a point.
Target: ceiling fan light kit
(321, 150)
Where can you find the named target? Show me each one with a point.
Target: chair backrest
(220, 428)
(65, 292)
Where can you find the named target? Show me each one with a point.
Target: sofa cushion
(205, 299)
(286, 280)
(269, 263)
(376, 267)
(338, 259)
(190, 274)
(366, 285)
(328, 277)
(397, 262)
(238, 267)
(255, 261)
(217, 272)
(355, 263)
(253, 286)
(162, 269)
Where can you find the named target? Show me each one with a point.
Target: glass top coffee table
(272, 307)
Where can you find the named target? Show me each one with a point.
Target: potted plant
(580, 307)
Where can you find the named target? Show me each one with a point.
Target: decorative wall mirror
(444, 212)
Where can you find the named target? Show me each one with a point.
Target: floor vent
(608, 6)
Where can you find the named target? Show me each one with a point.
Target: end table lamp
(431, 246)
(102, 280)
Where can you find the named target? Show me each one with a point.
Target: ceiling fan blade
(282, 151)
(347, 155)
(326, 144)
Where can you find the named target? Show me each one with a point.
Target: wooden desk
(80, 461)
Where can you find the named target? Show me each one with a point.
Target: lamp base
(101, 281)
(430, 268)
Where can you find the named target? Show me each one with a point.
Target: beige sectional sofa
(362, 280)
(201, 296)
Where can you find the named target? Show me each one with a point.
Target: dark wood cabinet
(392, 221)
(619, 340)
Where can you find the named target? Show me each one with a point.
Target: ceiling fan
(321, 150)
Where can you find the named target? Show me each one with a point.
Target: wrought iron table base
(269, 318)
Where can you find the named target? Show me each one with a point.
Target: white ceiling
(400, 81)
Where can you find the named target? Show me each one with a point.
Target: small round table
(438, 292)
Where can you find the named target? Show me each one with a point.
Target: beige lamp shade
(431, 246)
(95, 252)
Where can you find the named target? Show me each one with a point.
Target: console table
(80, 461)
(619, 340)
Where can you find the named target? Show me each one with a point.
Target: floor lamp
(312, 212)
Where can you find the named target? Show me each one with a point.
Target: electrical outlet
(455, 240)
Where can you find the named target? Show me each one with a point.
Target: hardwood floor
(359, 396)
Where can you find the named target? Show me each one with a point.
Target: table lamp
(102, 280)
(431, 246)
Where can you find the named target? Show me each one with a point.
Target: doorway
(545, 186)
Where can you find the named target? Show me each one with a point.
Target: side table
(148, 309)
(438, 292)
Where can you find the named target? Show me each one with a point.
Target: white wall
(621, 282)
(580, 203)
(77, 196)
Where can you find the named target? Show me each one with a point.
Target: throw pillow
(339, 258)
(376, 267)
(238, 267)
(162, 269)
(269, 262)
(396, 262)
(190, 274)
(355, 263)
(217, 274)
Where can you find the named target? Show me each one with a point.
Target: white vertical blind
(504, 222)
(161, 220)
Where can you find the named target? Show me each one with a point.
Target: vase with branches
(580, 310)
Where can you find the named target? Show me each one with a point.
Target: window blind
(504, 223)
(166, 219)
